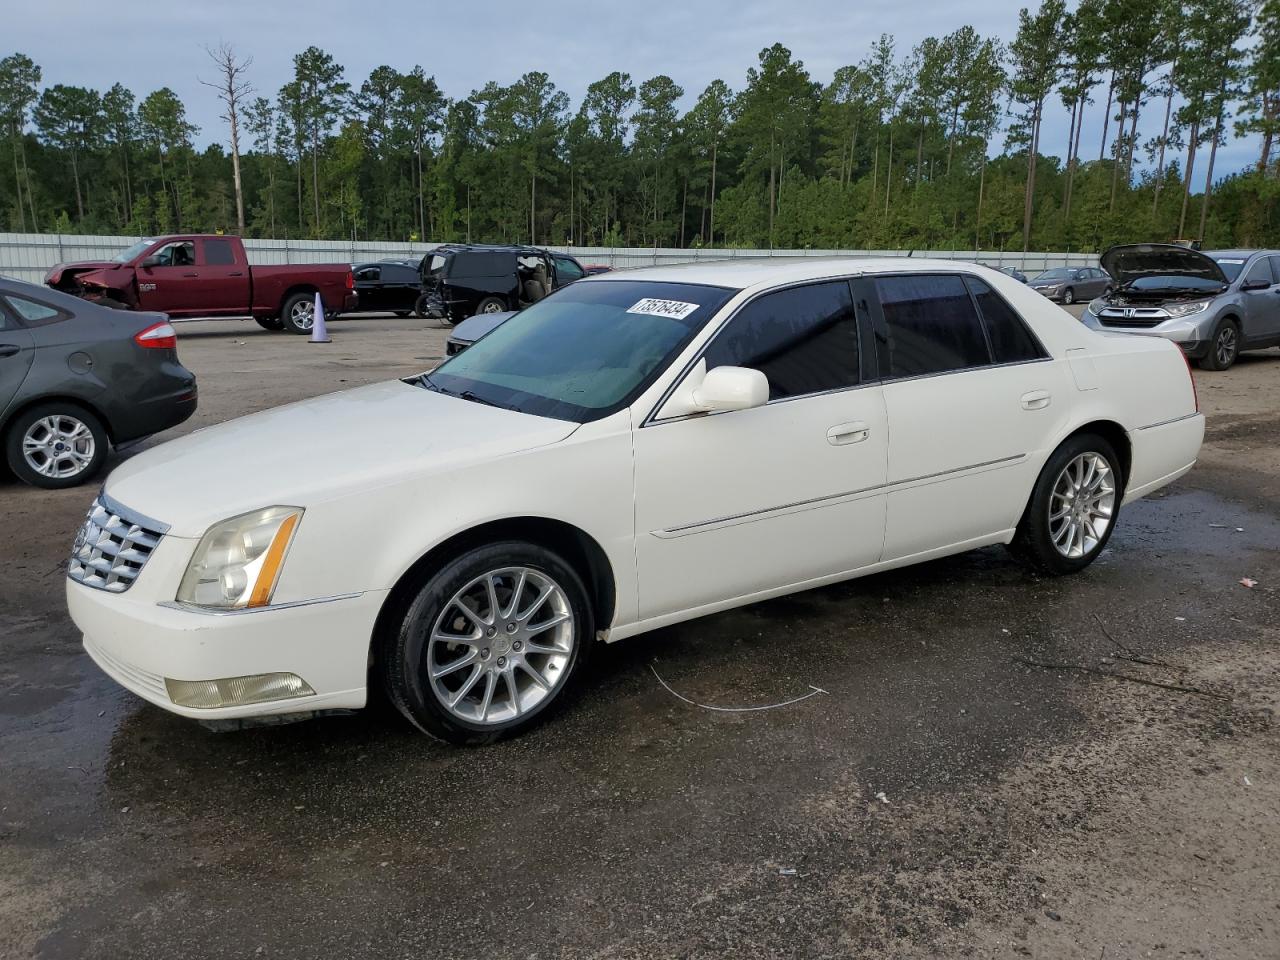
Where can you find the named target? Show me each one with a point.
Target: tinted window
(31, 311)
(219, 253)
(1260, 272)
(567, 270)
(368, 274)
(1011, 341)
(399, 274)
(483, 265)
(583, 352)
(805, 340)
(1275, 268)
(932, 325)
(179, 254)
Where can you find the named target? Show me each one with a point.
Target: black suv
(461, 280)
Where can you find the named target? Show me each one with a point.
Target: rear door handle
(854, 432)
(236, 274)
(9, 349)
(1036, 400)
(191, 274)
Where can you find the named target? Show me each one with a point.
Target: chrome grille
(1132, 316)
(113, 546)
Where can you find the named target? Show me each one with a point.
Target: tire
(491, 305)
(270, 323)
(493, 694)
(1224, 349)
(1041, 535)
(298, 313)
(84, 438)
(1068, 297)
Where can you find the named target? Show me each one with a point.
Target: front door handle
(854, 432)
(9, 349)
(1036, 400)
(191, 274)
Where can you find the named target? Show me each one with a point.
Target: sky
(465, 43)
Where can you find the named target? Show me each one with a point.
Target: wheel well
(579, 549)
(1115, 435)
(57, 398)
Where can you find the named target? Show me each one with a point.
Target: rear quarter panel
(272, 283)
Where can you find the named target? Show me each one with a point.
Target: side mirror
(151, 261)
(731, 388)
(1256, 285)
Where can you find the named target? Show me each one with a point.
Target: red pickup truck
(199, 277)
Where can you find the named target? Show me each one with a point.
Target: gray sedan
(76, 378)
(473, 328)
(1071, 284)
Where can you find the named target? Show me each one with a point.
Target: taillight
(351, 280)
(158, 336)
(1195, 394)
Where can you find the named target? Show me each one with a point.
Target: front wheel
(1073, 507)
(1225, 347)
(486, 645)
(299, 313)
(1068, 296)
(56, 445)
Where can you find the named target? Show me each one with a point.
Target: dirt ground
(1001, 765)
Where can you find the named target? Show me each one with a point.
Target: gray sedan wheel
(56, 445)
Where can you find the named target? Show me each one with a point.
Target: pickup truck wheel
(299, 313)
(270, 323)
(56, 445)
(483, 647)
(1225, 347)
(1073, 507)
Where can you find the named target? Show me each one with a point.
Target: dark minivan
(462, 280)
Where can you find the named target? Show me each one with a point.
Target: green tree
(321, 95)
(71, 119)
(1260, 111)
(162, 122)
(656, 122)
(1034, 56)
(19, 78)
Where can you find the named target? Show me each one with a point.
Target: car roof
(485, 248)
(743, 272)
(1232, 253)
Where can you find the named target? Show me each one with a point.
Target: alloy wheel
(303, 314)
(501, 646)
(1224, 347)
(492, 307)
(58, 446)
(1082, 505)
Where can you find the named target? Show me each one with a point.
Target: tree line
(895, 151)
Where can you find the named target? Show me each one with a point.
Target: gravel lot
(943, 798)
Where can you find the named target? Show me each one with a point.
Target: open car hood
(1130, 261)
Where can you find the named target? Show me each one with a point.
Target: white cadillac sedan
(635, 450)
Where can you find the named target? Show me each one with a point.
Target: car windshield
(1060, 273)
(1231, 266)
(1175, 281)
(124, 256)
(582, 353)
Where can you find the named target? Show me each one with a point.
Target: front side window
(1011, 341)
(179, 254)
(368, 274)
(1260, 272)
(567, 270)
(932, 325)
(583, 352)
(804, 340)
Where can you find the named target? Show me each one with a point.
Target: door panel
(736, 503)
(169, 286)
(1261, 307)
(17, 351)
(222, 287)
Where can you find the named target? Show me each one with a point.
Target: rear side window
(932, 325)
(483, 265)
(218, 253)
(1011, 341)
(30, 311)
(805, 340)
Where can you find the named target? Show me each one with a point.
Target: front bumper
(140, 643)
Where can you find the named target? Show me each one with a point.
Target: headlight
(238, 561)
(1188, 309)
(1095, 306)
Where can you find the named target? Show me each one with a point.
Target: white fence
(27, 256)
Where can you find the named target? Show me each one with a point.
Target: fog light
(234, 691)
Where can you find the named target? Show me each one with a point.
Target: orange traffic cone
(318, 333)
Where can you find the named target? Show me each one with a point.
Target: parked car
(473, 328)
(1071, 284)
(1212, 304)
(77, 377)
(1010, 272)
(391, 286)
(203, 277)
(462, 280)
(640, 449)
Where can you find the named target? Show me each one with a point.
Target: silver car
(1212, 304)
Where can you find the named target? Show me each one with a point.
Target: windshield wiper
(475, 398)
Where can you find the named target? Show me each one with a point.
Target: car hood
(56, 272)
(1132, 261)
(473, 328)
(349, 442)
(1047, 283)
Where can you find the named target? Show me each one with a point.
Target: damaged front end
(103, 283)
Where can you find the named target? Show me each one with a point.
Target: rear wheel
(1225, 347)
(490, 305)
(1073, 507)
(488, 644)
(1068, 296)
(299, 313)
(56, 445)
(270, 323)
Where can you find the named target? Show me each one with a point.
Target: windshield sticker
(1231, 261)
(675, 309)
